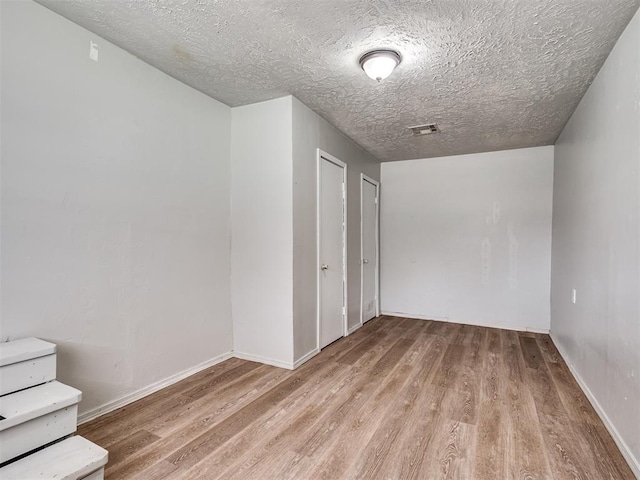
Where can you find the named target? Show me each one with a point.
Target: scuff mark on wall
(486, 260)
(495, 215)
(513, 257)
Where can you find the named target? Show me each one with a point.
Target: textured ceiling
(494, 74)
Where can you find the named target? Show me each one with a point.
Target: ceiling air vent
(427, 129)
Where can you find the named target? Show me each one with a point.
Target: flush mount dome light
(378, 64)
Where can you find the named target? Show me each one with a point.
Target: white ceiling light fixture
(379, 64)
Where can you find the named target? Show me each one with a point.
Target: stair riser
(37, 432)
(74, 458)
(21, 375)
(97, 475)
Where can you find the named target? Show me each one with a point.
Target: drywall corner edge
(306, 357)
(632, 461)
(357, 326)
(265, 360)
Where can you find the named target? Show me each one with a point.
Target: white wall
(262, 225)
(468, 238)
(274, 194)
(115, 209)
(310, 132)
(596, 242)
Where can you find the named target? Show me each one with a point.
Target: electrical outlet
(573, 296)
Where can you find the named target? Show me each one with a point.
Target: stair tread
(69, 459)
(22, 406)
(24, 349)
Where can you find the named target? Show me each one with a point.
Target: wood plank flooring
(398, 399)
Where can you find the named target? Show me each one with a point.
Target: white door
(369, 260)
(331, 249)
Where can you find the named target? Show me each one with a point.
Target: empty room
(319, 239)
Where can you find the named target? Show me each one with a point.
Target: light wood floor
(398, 399)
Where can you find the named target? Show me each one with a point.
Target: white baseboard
(148, 390)
(354, 328)
(633, 462)
(477, 324)
(265, 360)
(154, 387)
(306, 357)
(544, 331)
(416, 316)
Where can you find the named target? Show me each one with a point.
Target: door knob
(324, 266)
(365, 260)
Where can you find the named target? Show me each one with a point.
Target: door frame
(365, 178)
(324, 156)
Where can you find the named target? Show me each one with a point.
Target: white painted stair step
(37, 416)
(25, 363)
(71, 459)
